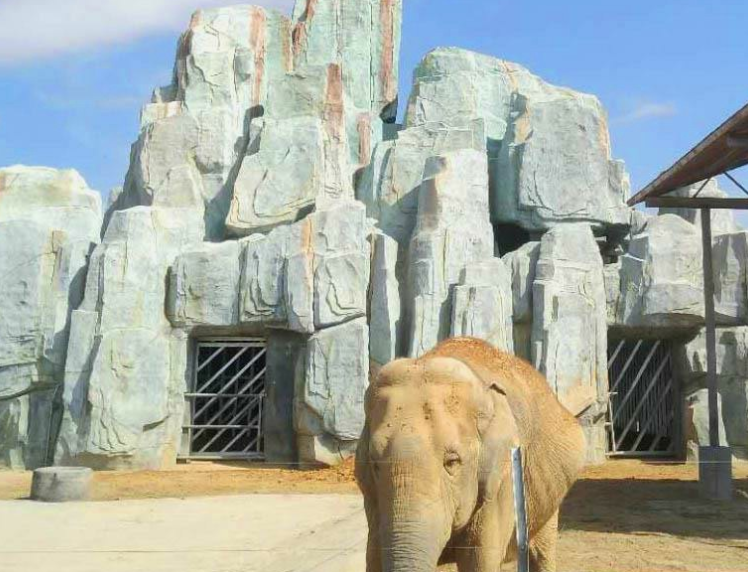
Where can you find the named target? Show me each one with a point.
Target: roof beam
(697, 203)
(725, 149)
(738, 141)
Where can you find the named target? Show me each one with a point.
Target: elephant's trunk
(410, 547)
(415, 527)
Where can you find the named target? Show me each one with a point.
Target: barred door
(227, 398)
(642, 405)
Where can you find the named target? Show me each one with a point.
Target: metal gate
(227, 399)
(642, 404)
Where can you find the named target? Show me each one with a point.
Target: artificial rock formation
(523, 263)
(730, 252)
(569, 333)
(482, 304)
(661, 287)
(267, 114)
(732, 382)
(125, 368)
(452, 231)
(258, 138)
(271, 193)
(49, 223)
(723, 221)
(527, 122)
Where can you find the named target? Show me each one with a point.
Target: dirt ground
(624, 516)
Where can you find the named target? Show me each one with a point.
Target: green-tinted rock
(49, 223)
(549, 147)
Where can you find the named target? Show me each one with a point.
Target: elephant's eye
(452, 462)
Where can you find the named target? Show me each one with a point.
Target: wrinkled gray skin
(433, 462)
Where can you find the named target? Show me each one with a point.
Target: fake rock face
(125, 366)
(330, 398)
(723, 221)
(730, 252)
(452, 231)
(569, 336)
(661, 287)
(548, 146)
(274, 142)
(323, 115)
(49, 223)
(732, 382)
(482, 304)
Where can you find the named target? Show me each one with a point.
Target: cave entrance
(642, 408)
(225, 402)
(510, 237)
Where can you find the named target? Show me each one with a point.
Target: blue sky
(74, 74)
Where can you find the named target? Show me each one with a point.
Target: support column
(715, 462)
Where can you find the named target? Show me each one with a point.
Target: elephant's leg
(483, 546)
(543, 547)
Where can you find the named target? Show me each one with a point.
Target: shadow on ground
(668, 506)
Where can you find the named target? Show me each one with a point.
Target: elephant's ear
(363, 474)
(365, 480)
(363, 471)
(497, 435)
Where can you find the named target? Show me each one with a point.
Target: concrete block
(715, 473)
(61, 484)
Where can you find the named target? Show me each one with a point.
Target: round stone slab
(61, 484)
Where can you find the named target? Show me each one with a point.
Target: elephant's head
(435, 449)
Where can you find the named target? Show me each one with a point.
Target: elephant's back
(526, 387)
(551, 437)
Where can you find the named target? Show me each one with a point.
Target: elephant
(434, 460)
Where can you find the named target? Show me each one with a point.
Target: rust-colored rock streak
(196, 20)
(387, 79)
(300, 31)
(334, 102)
(257, 41)
(364, 138)
(184, 46)
(287, 45)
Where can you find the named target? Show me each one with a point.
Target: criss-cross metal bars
(226, 403)
(642, 401)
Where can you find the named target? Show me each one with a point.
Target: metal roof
(725, 149)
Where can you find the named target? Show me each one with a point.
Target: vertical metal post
(715, 462)
(711, 343)
(520, 512)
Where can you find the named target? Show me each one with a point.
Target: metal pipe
(711, 342)
(520, 512)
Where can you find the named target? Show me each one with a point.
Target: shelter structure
(721, 152)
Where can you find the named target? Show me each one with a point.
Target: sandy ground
(624, 516)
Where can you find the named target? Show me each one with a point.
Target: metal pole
(711, 342)
(520, 512)
(715, 462)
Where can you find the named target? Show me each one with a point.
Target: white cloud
(35, 29)
(647, 110)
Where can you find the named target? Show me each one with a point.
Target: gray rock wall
(271, 194)
(662, 287)
(49, 223)
(125, 370)
(730, 254)
(723, 221)
(522, 264)
(527, 123)
(569, 330)
(482, 304)
(452, 231)
(732, 380)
